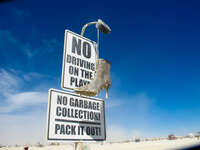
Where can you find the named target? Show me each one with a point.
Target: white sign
(79, 61)
(72, 117)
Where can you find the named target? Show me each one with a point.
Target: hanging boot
(101, 80)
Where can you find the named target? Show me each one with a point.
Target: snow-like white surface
(143, 145)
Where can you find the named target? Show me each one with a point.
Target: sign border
(64, 56)
(73, 94)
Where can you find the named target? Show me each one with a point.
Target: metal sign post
(78, 146)
(71, 117)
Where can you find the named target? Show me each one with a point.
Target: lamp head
(103, 27)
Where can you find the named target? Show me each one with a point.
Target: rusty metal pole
(78, 146)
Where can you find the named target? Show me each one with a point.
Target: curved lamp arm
(86, 25)
(100, 25)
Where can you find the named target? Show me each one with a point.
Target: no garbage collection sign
(73, 118)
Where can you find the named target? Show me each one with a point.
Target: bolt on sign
(79, 61)
(72, 117)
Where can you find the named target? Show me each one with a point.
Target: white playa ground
(143, 145)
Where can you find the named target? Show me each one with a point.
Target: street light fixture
(101, 79)
(101, 26)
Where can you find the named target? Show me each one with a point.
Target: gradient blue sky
(154, 50)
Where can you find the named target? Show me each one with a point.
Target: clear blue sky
(153, 48)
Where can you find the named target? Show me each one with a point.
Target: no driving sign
(72, 117)
(79, 61)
